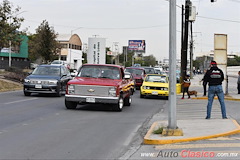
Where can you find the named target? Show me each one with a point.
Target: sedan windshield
(43, 70)
(92, 71)
(156, 78)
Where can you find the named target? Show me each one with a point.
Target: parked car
(156, 85)
(47, 79)
(100, 83)
(138, 75)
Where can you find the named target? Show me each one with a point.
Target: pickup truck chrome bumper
(91, 99)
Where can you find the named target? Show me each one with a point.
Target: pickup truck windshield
(107, 72)
(134, 71)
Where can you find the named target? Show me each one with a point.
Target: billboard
(137, 45)
(96, 51)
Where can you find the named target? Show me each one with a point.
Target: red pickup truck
(100, 83)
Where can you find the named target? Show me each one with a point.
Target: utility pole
(191, 52)
(185, 41)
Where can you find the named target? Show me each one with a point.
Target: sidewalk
(192, 120)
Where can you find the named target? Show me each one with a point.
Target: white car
(60, 62)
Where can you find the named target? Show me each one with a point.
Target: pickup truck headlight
(71, 89)
(53, 82)
(112, 92)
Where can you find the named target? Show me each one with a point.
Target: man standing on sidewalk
(214, 76)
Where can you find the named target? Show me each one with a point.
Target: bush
(15, 74)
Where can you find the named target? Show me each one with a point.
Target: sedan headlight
(53, 82)
(71, 89)
(112, 92)
(27, 80)
(165, 89)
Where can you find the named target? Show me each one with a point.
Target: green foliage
(144, 61)
(149, 60)
(233, 61)
(44, 43)
(9, 24)
(85, 57)
(158, 131)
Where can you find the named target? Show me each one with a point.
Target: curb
(147, 140)
(226, 98)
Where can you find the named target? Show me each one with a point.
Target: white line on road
(23, 100)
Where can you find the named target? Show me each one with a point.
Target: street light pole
(172, 122)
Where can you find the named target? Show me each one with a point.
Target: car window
(46, 70)
(63, 71)
(149, 70)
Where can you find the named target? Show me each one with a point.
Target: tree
(149, 61)
(9, 24)
(44, 42)
(233, 61)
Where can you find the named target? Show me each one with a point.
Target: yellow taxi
(156, 85)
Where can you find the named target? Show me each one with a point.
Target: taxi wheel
(141, 95)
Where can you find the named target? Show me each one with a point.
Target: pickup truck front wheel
(70, 105)
(118, 107)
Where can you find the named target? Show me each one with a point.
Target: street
(40, 127)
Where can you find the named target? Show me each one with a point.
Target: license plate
(90, 100)
(154, 93)
(38, 86)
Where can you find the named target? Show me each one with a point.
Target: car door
(65, 77)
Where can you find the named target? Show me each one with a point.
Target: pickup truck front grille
(91, 90)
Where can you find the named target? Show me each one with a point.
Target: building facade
(71, 50)
(18, 57)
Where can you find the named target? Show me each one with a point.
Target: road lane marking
(23, 100)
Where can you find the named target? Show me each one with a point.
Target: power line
(219, 19)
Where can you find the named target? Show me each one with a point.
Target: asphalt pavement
(192, 121)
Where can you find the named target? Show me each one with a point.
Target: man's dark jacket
(214, 76)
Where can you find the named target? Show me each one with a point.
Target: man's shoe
(225, 118)
(189, 97)
(182, 98)
(207, 118)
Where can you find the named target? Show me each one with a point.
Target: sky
(123, 20)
